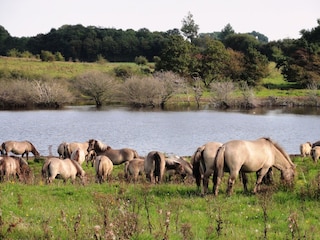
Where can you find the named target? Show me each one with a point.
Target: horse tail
(45, 168)
(203, 166)
(126, 170)
(219, 164)
(157, 168)
(195, 160)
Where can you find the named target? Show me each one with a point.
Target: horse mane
(30, 144)
(280, 149)
(101, 145)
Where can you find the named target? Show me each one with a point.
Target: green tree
(213, 61)
(189, 27)
(176, 56)
(225, 32)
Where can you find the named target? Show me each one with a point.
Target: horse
(155, 166)
(315, 153)
(16, 147)
(176, 165)
(251, 156)
(203, 163)
(305, 149)
(64, 168)
(62, 150)
(134, 168)
(79, 155)
(73, 146)
(117, 156)
(103, 167)
(317, 143)
(12, 166)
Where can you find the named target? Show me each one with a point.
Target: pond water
(173, 132)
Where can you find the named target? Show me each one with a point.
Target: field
(172, 210)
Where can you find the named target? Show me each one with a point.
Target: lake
(172, 132)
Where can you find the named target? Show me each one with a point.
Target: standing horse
(155, 166)
(203, 163)
(251, 156)
(64, 168)
(62, 150)
(117, 156)
(18, 148)
(14, 167)
(315, 153)
(134, 168)
(305, 149)
(103, 167)
(73, 146)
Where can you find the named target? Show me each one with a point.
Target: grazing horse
(79, 155)
(203, 163)
(251, 156)
(14, 167)
(155, 166)
(103, 166)
(64, 168)
(18, 148)
(176, 165)
(315, 153)
(305, 149)
(134, 168)
(117, 156)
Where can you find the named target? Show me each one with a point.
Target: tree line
(205, 58)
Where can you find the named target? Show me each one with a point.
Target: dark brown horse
(117, 156)
(19, 148)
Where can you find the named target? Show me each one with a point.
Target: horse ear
(108, 147)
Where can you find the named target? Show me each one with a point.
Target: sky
(276, 19)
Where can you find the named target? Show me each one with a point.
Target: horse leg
(216, 182)
(244, 181)
(231, 181)
(262, 173)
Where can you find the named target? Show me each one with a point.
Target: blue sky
(277, 19)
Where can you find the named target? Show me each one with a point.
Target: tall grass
(172, 210)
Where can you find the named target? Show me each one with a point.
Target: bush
(47, 56)
(141, 60)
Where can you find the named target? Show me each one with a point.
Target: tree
(213, 61)
(96, 85)
(176, 56)
(189, 27)
(225, 32)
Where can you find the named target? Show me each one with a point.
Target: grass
(172, 210)
(35, 69)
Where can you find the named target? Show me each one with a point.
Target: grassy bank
(172, 210)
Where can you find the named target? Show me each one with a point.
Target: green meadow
(174, 209)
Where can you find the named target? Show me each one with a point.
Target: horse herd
(211, 159)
